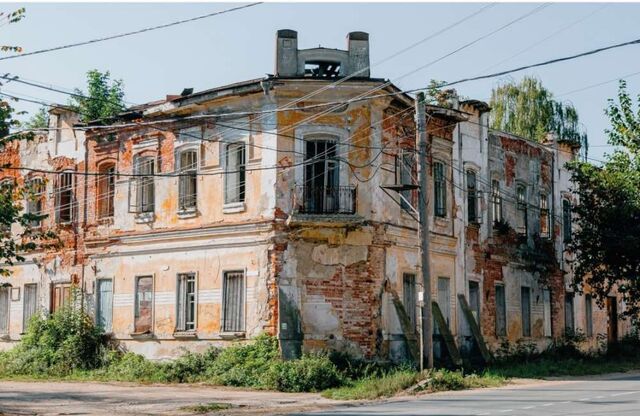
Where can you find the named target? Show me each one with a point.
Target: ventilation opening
(321, 69)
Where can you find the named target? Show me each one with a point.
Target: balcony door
(321, 177)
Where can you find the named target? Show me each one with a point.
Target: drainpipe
(84, 219)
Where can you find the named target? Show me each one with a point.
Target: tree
(12, 247)
(40, 120)
(104, 98)
(529, 110)
(606, 241)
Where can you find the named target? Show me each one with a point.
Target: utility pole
(427, 320)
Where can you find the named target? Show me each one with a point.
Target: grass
(206, 408)
(399, 381)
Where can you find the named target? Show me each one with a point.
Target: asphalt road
(614, 395)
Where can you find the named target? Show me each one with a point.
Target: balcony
(321, 200)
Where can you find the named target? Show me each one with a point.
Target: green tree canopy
(529, 110)
(104, 97)
(606, 240)
(40, 120)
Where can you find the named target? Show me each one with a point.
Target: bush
(310, 373)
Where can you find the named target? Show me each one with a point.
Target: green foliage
(529, 110)
(104, 98)
(310, 373)
(206, 408)
(40, 120)
(606, 238)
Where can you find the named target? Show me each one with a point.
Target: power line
(135, 32)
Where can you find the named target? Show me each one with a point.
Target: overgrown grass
(206, 408)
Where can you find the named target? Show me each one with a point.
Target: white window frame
(179, 169)
(195, 300)
(244, 300)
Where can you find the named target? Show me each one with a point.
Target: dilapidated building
(285, 205)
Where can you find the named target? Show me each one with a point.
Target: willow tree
(528, 109)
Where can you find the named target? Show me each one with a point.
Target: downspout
(84, 218)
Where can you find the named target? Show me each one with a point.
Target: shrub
(190, 367)
(310, 373)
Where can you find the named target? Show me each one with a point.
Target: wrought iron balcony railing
(326, 200)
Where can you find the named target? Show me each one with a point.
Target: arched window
(64, 197)
(106, 188)
(521, 209)
(187, 162)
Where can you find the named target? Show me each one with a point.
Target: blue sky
(240, 45)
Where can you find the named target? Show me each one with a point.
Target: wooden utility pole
(427, 320)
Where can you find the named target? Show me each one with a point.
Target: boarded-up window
(60, 296)
(569, 322)
(546, 295)
(474, 300)
(525, 304)
(234, 184)
(588, 315)
(501, 312)
(233, 302)
(106, 186)
(143, 304)
(444, 298)
(409, 297)
(30, 305)
(186, 302)
(187, 181)
(4, 309)
(104, 304)
(439, 190)
(64, 198)
(521, 205)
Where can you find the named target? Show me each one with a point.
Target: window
(444, 298)
(545, 226)
(187, 185)
(30, 304)
(5, 296)
(588, 315)
(106, 186)
(439, 190)
(144, 198)
(474, 300)
(566, 220)
(104, 303)
(35, 200)
(546, 310)
(496, 201)
(64, 198)
(60, 296)
(521, 205)
(321, 69)
(569, 322)
(186, 302)
(233, 302)
(406, 161)
(501, 312)
(235, 173)
(525, 303)
(409, 297)
(472, 197)
(321, 179)
(143, 308)
(6, 188)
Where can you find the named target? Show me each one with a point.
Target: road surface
(617, 395)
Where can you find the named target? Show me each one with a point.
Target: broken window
(4, 309)
(409, 297)
(545, 226)
(546, 310)
(501, 312)
(186, 302)
(30, 304)
(187, 185)
(496, 201)
(321, 69)
(588, 315)
(106, 186)
(566, 220)
(569, 321)
(322, 193)
(60, 296)
(521, 208)
(104, 303)
(525, 304)
(233, 302)
(472, 197)
(35, 200)
(142, 185)
(64, 198)
(405, 169)
(439, 190)
(235, 173)
(143, 308)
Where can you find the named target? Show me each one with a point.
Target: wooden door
(612, 311)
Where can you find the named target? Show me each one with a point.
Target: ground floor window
(60, 296)
(546, 299)
(104, 303)
(186, 302)
(569, 322)
(4, 309)
(588, 315)
(409, 297)
(525, 303)
(30, 304)
(233, 302)
(143, 304)
(501, 312)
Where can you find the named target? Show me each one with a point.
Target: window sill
(145, 217)
(185, 334)
(232, 335)
(187, 213)
(141, 335)
(234, 208)
(105, 220)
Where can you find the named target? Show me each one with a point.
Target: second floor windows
(521, 209)
(235, 173)
(496, 201)
(106, 187)
(187, 180)
(566, 220)
(35, 200)
(545, 228)
(142, 196)
(64, 199)
(439, 190)
(472, 197)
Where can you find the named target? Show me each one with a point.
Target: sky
(241, 45)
